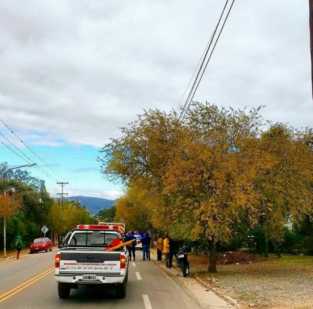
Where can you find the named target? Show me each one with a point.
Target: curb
(173, 276)
(228, 299)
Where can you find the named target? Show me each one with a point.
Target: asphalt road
(29, 283)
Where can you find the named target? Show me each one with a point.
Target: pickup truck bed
(87, 265)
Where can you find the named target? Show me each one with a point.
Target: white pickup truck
(87, 256)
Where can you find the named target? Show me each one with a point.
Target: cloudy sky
(74, 72)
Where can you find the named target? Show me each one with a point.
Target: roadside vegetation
(220, 178)
(27, 206)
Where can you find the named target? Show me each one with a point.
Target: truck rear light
(57, 260)
(122, 261)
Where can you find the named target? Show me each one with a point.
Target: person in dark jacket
(148, 246)
(132, 246)
(18, 245)
(159, 246)
(146, 242)
(174, 247)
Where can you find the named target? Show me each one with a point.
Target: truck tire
(64, 290)
(121, 290)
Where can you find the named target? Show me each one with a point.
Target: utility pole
(62, 193)
(311, 38)
(4, 179)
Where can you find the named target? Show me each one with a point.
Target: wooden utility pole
(311, 39)
(62, 193)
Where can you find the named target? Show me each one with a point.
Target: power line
(48, 172)
(208, 54)
(11, 149)
(203, 58)
(15, 149)
(214, 46)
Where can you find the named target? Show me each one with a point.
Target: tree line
(217, 176)
(27, 206)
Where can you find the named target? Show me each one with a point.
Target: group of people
(132, 241)
(165, 247)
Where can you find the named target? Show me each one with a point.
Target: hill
(93, 204)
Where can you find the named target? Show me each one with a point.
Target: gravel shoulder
(201, 293)
(285, 282)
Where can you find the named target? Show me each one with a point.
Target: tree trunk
(311, 38)
(212, 258)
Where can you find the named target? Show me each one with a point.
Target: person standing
(171, 252)
(131, 238)
(148, 242)
(133, 246)
(144, 242)
(166, 249)
(159, 246)
(18, 246)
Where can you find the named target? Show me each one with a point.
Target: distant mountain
(93, 204)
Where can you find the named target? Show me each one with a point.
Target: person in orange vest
(166, 249)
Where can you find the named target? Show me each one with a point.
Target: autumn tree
(285, 187)
(134, 209)
(210, 178)
(200, 177)
(64, 217)
(9, 205)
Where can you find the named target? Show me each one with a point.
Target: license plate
(89, 277)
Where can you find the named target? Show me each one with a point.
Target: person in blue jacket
(146, 243)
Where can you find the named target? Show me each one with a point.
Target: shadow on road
(92, 294)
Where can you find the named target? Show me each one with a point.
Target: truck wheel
(63, 290)
(121, 290)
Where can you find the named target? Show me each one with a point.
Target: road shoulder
(202, 294)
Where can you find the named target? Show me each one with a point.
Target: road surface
(29, 283)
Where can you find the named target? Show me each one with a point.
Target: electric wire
(206, 60)
(15, 149)
(43, 170)
(203, 59)
(213, 49)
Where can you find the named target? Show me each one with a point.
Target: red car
(41, 244)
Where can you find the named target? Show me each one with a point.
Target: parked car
(41, 244)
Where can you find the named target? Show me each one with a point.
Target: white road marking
(134, 264)
(138, 275)
(146, 301)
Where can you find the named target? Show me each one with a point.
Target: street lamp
(17, 167)
(4, 218)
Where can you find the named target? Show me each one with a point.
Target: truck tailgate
(93, 262)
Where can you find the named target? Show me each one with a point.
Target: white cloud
(79, 70)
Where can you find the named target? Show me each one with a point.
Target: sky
(74, 72)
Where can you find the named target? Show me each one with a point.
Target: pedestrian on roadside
(148, 242)
(144, 246)
(18, 246)
(130, 237)
(171, 252)
(133, 247)
(166, 249)
(159, 246)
